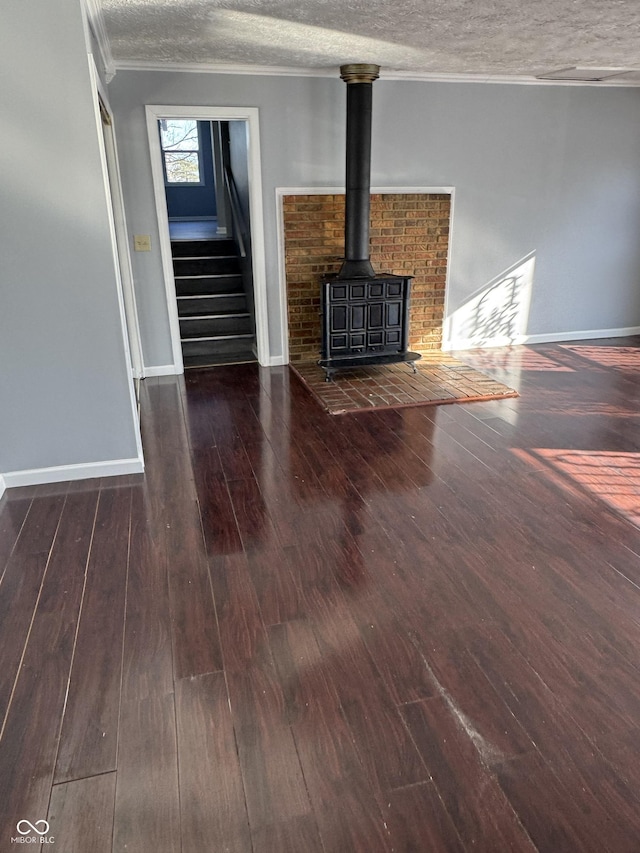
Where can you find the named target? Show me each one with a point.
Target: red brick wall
(409, 236)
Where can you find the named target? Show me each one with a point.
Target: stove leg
(328, 374)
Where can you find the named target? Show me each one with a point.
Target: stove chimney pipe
(359, 78)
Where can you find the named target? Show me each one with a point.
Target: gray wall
(64, 387)
(239, 163)
(552, 171)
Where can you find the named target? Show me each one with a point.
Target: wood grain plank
(385, 747)
(273, 780)
(295, 517)
(383, 743)
(81, 814)
(252, 514)
(520, 687)
(219, 523)
(198, 417)
(242, 632)
(305, 682)
(147, 814)
(89, 735)
(234, 459)
(560, 735)
(277, 586)
(289, 836)
(274, 786)
(213, 808)
(12, 516)
(396, 658)
(418, 820)
(18, 598)
(345, 802)
(563, 815)
(455, 673)
(148, 661)
(37, 536)
(30, 735)
(347, 808)
(460, 763)
(196, 643)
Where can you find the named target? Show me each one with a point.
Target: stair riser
(217, 326)
(207, 284)
(190, 348)
(212, 305)
(205, 266)
(216, 359)
(196, 248)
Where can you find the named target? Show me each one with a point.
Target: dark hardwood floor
(412, 630)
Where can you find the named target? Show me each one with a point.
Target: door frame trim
(122, 234)
(155, 112)
(121, 259)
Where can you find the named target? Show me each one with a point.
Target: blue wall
(197, 200)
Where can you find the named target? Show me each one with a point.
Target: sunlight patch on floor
(611, 476)
(624, 358)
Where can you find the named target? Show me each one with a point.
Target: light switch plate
(142, 242)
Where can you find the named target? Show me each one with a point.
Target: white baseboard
(583, 336)
(161, 370)
(553, 337)
(60, 473)
(3, 485)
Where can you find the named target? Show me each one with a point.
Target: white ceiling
(414, 37)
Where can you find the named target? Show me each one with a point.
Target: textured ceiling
(486, 37)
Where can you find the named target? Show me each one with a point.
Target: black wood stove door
(365, 317)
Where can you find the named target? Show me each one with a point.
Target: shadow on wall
(497, 314)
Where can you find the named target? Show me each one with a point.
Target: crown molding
(512, 79)
(332, 72)
(96, 22)
(215, 68)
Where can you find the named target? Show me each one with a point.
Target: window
(180, 143)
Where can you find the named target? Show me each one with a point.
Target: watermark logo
(32, 827)
(33, 833)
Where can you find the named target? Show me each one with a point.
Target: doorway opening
(206, 179)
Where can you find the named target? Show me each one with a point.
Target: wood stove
(365, 316)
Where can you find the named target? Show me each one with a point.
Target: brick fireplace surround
(409, 236)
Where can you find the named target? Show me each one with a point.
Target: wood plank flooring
(412, 630)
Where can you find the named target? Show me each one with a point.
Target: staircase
(215, 324)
